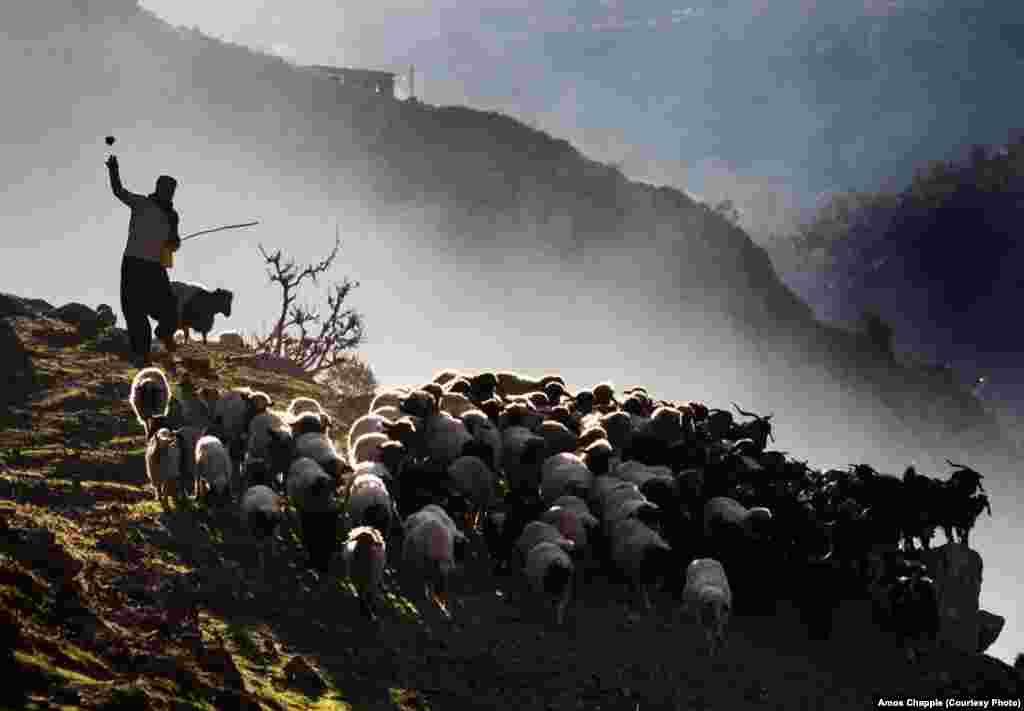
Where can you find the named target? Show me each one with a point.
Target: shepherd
(145, 286)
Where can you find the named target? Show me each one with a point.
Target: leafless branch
(292, 336)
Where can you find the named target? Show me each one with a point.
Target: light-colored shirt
(149, 227)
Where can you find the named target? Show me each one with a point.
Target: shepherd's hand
(112, 162)
(175, 244)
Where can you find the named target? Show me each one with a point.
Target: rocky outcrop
(957, 570)
(990, 626)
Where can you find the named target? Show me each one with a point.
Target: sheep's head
(554, 390)
(514, 415)
(667, 424)
(619, 428)
(551, 378)
(434, 389)
(392, 455)
(224, 299)
(310, 422)
(403, 430)
(154, 424)
(584, 402)
(491, 408)
(367, 536)
(715, 611)
(461, 386)
(419, 403)
(965, 478)
(698, 410)
(603, 394)
(597, 456)
(633, 405)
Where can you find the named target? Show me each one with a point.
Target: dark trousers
(145, 293)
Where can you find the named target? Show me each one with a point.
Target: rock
(80, 315)
(957, 570)
(11, 305)
(300, 675)
(990, 626)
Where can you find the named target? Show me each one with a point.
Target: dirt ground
(125, 606)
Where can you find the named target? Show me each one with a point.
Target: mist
(442, 285)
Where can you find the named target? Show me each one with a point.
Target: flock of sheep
(668, 498)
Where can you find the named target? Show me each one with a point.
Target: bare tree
(295, 335)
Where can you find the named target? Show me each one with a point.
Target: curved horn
(744, 413)
(827, 556)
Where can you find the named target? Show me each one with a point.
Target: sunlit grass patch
(406, 608)
(54, 673)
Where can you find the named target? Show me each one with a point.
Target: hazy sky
(769, 103)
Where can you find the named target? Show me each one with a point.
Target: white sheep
(564, 473)
(428, 550)
(163, 465)
(262, 511)
(213, 469)
(365, 555)
(231, 339)
(549, 570)
(389, 398)
(197, 306)
(150, 396)
(472, 478)
(389, 412)
(366, 424)
(708, 599)
(641, 554)
(367, 448)
(483, 430)
(311, 491)
(370, 503)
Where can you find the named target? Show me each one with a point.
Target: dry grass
(106, 641)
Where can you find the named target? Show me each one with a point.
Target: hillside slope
(110, 602)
